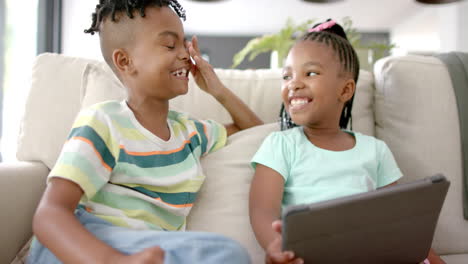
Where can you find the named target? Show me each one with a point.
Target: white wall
(437, 28)
(242, 17)
(20, 53)
(75, 19)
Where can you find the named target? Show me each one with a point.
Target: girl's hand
(153, 255)
(274, 254)
(203, 72)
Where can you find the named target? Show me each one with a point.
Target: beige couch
(407, 101)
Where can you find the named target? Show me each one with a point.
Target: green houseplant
(281, 42)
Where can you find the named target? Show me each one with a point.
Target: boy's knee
(233, 249)
(240, 254)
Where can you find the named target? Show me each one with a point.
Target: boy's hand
(153, 255)
(203, 72)
(274, 254)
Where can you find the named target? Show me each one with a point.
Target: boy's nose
(184, 54)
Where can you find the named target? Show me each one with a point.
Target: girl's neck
(330, 138)
(152, 115)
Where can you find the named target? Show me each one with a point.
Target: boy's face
(159, 62)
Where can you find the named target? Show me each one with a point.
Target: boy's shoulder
(103, 114)
(109, 107)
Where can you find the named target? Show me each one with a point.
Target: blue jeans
(179, 247)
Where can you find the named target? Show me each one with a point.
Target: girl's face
(315, 86)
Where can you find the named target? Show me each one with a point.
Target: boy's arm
(208, 81)
(57, 228)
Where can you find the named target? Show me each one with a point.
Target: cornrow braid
(111, 7)
(348, 58)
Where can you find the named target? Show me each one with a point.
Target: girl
(314, 158)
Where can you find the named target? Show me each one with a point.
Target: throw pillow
(222, 204)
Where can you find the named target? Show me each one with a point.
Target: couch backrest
(61, 86)
(416, 115)
(414, 107)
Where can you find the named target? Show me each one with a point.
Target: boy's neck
(152, 115)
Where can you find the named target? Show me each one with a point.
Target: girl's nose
(295, 85)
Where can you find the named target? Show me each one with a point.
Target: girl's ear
(122, 62)
(347, 91)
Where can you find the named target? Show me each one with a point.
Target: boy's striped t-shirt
(129, 176)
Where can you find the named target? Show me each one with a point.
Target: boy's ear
(122, 61)
(348, 90)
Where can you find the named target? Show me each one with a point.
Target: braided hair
(111, 7)
(335, 37)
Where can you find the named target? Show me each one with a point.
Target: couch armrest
(22, 184)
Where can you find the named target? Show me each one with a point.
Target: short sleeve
(274, 153)
(87, 157)
(213, 135)
(387, 170)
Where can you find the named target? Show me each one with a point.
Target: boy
(133, 168)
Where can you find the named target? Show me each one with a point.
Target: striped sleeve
(89, 154)
(213, 135)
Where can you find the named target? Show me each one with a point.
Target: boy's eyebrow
(168, 33)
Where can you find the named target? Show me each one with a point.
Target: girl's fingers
(277, 226)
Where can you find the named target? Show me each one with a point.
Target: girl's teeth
(298, 102)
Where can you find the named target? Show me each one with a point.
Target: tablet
(390, 225)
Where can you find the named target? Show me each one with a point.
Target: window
(18, 29)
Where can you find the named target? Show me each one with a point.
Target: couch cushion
(222, 204)
(416, 115)
(259, 89)
(363, 106)
(455, 259)
(100, 84)
(51, 106)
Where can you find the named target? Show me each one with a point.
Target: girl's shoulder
(288, 136)
(369, 142)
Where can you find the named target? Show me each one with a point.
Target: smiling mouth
(296, 104)
(180, 73)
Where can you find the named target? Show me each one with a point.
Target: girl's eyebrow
(313, 63)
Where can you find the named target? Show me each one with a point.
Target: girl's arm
(205, 77)
(57, 228)
(266, 193)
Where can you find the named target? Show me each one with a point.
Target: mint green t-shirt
(312, 174)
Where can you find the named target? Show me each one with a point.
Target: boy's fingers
(195, 44)
(202, 65)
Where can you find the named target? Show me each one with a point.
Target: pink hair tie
(323, 26)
